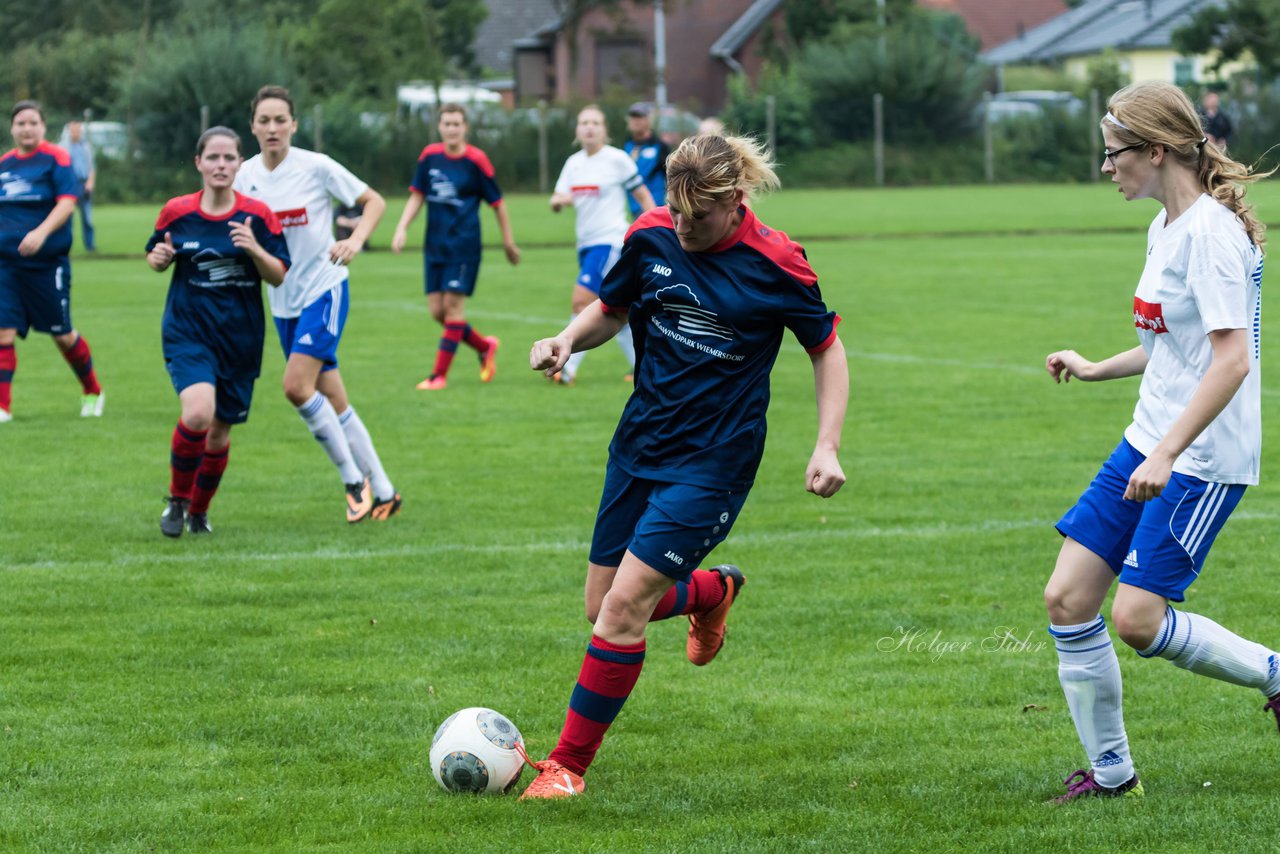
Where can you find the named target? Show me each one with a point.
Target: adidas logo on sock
(306, 339)
(1107, 759)
(1273, 666)
(1132, 559)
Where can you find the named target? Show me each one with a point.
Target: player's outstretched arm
(590, 329)
(345, 251)
(508, 239)
(1065, 364)
(411, 208)
(560, 201)
(823, 476)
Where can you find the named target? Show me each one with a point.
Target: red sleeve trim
(614, 309)
(830, 339)
(66, 196)
(480, 159)
(496, 204)
(60, 155)
(652, 218)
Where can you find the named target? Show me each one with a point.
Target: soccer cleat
(1273, 706)
(359, 502)
(629, 378)
(706, 631)
(5, 416)
(91, 405)
(1082, 785)
(558, 378)
(174, 516)
(553, 781)
(489, 361)
(384, 510)
(432, 383)
(198, 523)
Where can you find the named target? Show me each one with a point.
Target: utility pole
(659, 61)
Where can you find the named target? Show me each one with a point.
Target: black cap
(640, 108)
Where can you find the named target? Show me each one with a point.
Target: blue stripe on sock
(1090, 649)
(448, 346)
(595, 707)
(682, 597)
(614, 656)
(184, 463)
(6, 376)
(1098, 625)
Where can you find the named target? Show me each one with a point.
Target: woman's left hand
(342, 252)
(32, 243)
(1149, 479)
(242, 236)
(823, 477)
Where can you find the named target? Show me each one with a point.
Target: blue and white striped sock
(322, 421)
(1090, 675)
(1200, 645)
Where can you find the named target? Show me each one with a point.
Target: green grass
(275, 687)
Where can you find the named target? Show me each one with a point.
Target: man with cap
(649, 153)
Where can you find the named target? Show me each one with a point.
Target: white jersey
(599, 184)
(1202, 274)
(301, 191)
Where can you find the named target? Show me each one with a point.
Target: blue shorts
(593, 263)
(317, 331)
(672, 527)
(458, 277)
(35, 293)
(1159, 545)
(195, 364)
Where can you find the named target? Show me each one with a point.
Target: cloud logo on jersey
(691, 318)
(1149, 316)
(219, 271)
(443, 191)
(1108, 759)
(15, 186)
(292, 218)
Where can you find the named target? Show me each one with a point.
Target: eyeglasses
(1108, 154)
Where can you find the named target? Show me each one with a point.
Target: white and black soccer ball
(474, 750)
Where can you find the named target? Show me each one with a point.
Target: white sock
(322, 421)
(570, 369)
(1200, 645)
(361, 444)
(628, 345)
(1090, 675)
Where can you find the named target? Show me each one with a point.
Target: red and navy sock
(448, 346)
(185, 452)
(81, 361)
(704, 591)
(8, 364)
(208, 476)
(609, 673)
(475, 340)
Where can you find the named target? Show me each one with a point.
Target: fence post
(543, 185)
(877, 110)
(318, 112)
(771, 123)
(204, 117)
(1095, 97)
(988, 140)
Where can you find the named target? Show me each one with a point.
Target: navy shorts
(455, 277)
(593, 263)
(672, 527)
(1158, 545)
(193, 364)
(35, 294)
(317, 331)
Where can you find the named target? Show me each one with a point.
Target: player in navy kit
(221, 245)
(452, 178)
(708, 291)
(38, 192)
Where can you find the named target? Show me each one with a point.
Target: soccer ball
(474, 750)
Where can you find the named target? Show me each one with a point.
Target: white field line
(815, 535)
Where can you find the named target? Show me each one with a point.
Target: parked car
(1032, 103)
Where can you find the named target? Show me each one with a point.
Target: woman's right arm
(590, 329)
(1065, 364)
(162, 254)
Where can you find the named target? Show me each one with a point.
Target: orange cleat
(553, 781)
(359, 502)
(489, 362)
(706, 631)
(384, 510)
(432, 383)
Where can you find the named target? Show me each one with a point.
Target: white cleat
(5, 416)
(91, 405)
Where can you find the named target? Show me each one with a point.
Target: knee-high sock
(628, 345)
(208, 477)
(81, 361)
(570, 369)
(1090, 677)
(361, 444)
(704, 591)
(8, 364)
(322, 421)
(186, 449)
(1200, 645)
(448, 347)
(474, 339)
(609, 673)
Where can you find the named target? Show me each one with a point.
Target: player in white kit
(1153, 511)
(310, 308)
(595, 181)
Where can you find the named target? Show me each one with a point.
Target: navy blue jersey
(30, 187)
(215, 296)
(707, 327)
(453, 188)
(650, 156)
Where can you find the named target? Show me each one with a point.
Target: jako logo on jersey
(292, 218)
(1148, 316)
(1108, 759)
(1132, 559)
(661, 270)
(191, 244)
(674, 558)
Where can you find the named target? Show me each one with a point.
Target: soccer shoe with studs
(706, 631)
(432, 383)
(198, 523)
(5, 416)
(553, 781)
(359, 502)
(174, 517)
(1082, 785)
(489, 361)
(91, 405)
(1273, 705)
(385, 509)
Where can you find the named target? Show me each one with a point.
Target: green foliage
(1236, 29)
(811, 21)
(1048, 77)
(1104, 73)
(747, 110)
(75, 72)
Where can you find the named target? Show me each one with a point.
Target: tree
(810, 21)
(1236, 29)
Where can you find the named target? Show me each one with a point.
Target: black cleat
(174, 516)
(198, 523)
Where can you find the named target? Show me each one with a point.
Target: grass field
(275, 686)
